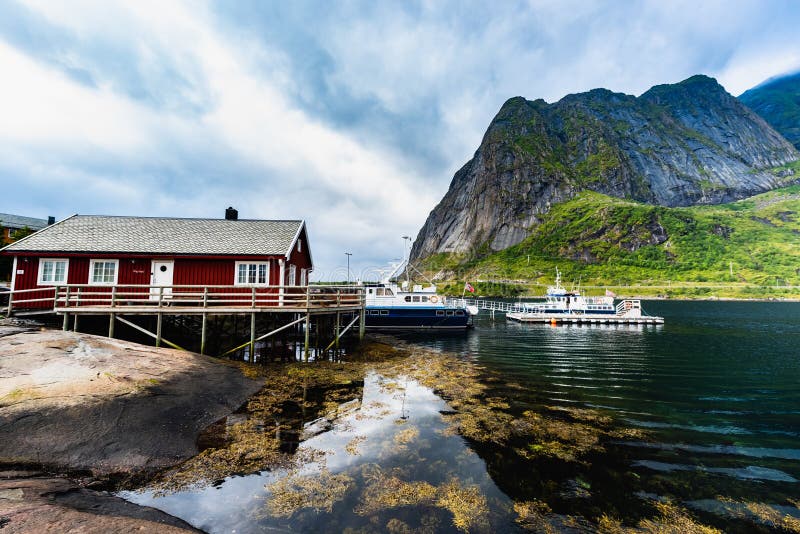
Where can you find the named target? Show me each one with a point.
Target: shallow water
(717, 388)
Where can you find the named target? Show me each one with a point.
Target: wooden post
(203, 334)
(111, 320)
(158, 324)
(65, 326)
(253, 334)
(362, 320)
(55, 298)
(205, 322)
(308, 334)
(336, 333)
(75, 323)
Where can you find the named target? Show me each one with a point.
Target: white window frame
(92, 263)
(292, 275)
(249, 284)
(41, 282)
(299, 245)
(303, 277)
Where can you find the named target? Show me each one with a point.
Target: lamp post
(348, 254)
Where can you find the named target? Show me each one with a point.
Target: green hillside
(749, 248)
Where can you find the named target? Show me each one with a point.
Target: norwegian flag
(469, 288)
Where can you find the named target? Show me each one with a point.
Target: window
(460, 313)
(424, 298)
(299, 245)
(389, 292)
(303, 277)
(252, 274)
(103, 272)
(449, 312)
(384, 312)
(52, 272)
(408, 299)
(292, 275)
(439, 313)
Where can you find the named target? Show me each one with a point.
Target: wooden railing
(78, 297)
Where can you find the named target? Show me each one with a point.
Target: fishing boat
(407, 306)
(559, 300)
(563, 306)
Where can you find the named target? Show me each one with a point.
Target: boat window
(460, 313)
(384, 312)
(449, 312)
(408, 298)
(389, 292)
(379, 292)
(439, 313)
(370, 291)
(424, 298)
(416, 298)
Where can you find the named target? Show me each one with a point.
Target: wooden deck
(87, 299)
(120, 301)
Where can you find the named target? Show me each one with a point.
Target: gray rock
(56, 505)
(76, 402)
(676, 145)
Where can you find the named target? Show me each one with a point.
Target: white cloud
(247, 138)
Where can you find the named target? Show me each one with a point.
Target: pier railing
(71, 298)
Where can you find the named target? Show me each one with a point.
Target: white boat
(560, 301)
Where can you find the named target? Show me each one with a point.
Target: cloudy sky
(351, 115)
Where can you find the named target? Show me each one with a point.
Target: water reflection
(396, 428)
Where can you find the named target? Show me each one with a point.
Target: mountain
(778, 102)
(743, 249)
(676, 145)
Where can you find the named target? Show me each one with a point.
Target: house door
(161, 275)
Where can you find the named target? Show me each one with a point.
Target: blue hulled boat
(392, 306)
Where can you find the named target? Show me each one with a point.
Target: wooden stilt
(203, 334)
(253, 337)
(65, 326)
(159, 320)
(308, 334)
(111, 320)
(336, 332)
(362, 324)
(75, 323)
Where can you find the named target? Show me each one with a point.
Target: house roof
(160, 235)
(8, 220)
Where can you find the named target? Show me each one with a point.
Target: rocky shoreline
(80, 413)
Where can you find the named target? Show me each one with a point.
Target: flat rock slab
(58, 505)
(76, 402)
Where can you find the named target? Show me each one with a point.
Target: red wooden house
(105, 251)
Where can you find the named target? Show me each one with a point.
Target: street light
(348, 254)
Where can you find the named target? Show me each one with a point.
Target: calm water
(717, 386)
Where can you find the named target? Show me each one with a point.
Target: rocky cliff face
(675, 145)
(778, 102)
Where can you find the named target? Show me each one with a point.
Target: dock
(572, 318)
(285, 306)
